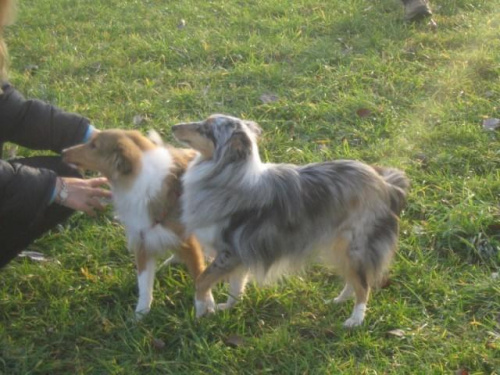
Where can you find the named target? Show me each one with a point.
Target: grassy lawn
(326, 80)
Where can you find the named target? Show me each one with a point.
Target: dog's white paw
(353, 322)
(357, 317)
(140, 313)
(228, 304)
(204, 307)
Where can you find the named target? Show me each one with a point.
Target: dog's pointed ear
(254, 127)
(123, 157)
(240, 146)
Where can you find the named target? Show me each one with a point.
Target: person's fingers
(102, 193)
(98, 181)
(96, 203)
(87, 208)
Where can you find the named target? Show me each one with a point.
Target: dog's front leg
(145, 280)
(237, 282)
(224, 263)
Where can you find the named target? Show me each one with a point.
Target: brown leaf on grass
(158, 344)
(363, 112)
(492, 345)
(268, 98)
(396, 332)
(462, 371)
(86, 273)
(491, 124)
(235, 341)
(493, 228)
(307, 333)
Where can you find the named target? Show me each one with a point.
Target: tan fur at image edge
(7, 15)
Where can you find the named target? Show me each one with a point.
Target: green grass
(428, 92)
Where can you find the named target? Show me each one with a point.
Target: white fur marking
(357, 317)
(237, 282)
(145, 281)
(131, 205)
(203, 307)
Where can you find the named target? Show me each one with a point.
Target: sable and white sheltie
(265, 219)
(145, 178)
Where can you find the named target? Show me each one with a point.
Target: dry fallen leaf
(235, 341)
(158, 344)
(491, 123)
(363, 112)
(268, 98)
(85, 272)
(397, 332)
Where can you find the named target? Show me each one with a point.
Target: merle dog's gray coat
(274, 216)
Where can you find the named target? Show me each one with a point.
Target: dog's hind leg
(345, 294)
(145, 277)
(357, 275)
(223, 265)
(369, 256)
(362, 292)
(237, 282)
(191, 254)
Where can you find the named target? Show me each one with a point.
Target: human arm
(79, 194)
(38, 125)
(27, 191)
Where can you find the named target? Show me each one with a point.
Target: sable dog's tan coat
(146, 183)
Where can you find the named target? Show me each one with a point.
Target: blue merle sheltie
(264, 220)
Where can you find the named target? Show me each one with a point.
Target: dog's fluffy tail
(398, 187)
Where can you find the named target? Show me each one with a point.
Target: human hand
(82, 195)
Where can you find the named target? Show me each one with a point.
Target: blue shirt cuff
(54, 194)
(89, 132)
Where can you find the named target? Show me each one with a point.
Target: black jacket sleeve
(25, 192)
(38, 125)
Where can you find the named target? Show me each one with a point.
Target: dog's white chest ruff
(132, 204)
